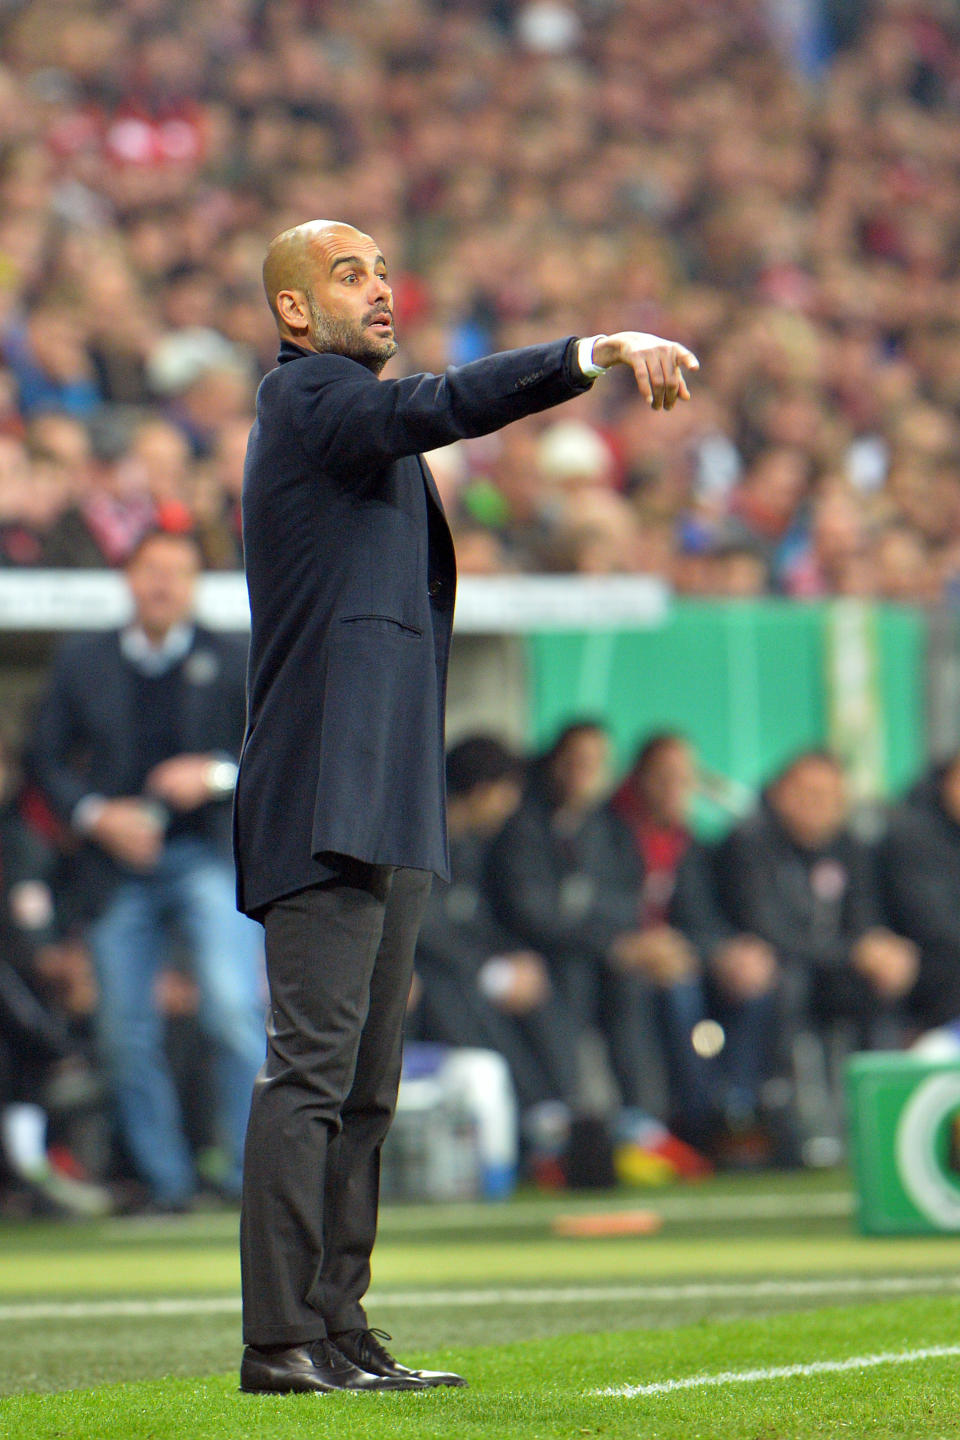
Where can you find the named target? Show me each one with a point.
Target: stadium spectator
(135, 748)
(42, 1058)
(920, 875)
(731, 976)
(795, 875)
(480, 986)
(48, 357)
(564, 877)
(789, 210)
(20, 543)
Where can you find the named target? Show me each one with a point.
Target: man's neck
(156, 650)
(154, 638)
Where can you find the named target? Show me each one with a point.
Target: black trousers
(339, 965)
(540, 1047)
(619, 1006)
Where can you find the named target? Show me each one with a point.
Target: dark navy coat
(351, 577)
(84, 738)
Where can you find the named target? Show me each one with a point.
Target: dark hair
(479, 760)
(653, 745)
(160, 532)
(573, 730)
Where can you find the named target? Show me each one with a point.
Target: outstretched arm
(345, 415)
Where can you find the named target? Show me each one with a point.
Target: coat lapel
(431, 485)
(201, 672)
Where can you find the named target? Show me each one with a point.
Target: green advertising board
(751, 684)
(904, 1120)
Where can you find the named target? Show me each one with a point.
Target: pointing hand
(657, 364)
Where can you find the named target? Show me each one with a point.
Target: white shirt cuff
(86, 813)
(495, 978)
(585, 357)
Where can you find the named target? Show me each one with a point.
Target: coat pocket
(350, 625)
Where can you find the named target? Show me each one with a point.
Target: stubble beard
(333, 336)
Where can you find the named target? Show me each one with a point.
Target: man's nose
(380, 290)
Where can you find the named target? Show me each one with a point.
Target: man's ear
(293, 309)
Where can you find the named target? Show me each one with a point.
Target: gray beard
(331, 336)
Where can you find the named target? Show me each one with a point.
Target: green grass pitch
(757, 1313)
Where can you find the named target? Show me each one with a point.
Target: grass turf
(536, 1322)
(546, 1389)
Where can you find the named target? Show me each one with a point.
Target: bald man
(339, 818)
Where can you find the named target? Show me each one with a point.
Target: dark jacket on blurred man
(795, 875)
(920, 878)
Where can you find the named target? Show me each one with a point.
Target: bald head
(290, 257)
(326, 284)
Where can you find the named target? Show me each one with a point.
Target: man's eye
(348, 279)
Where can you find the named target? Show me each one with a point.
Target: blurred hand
(175, 993)
(744, 967)
(66, 970)
(529, 984)
(30, 904)
(661, 954)
(888, 962)
(657, 364)
(130, 831)
(181, 782)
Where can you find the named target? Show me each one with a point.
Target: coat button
(434, 588)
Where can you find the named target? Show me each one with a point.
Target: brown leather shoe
(363, 1347)
(319, 1366)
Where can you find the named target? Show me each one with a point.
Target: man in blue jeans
(136, 748)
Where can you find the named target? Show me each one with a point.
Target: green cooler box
(904, 1117)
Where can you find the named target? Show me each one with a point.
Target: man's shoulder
(912, 825)
(88, 648)
(216, 656)
(531, 817)
(286, 391)
(85, 666)
(757, 834)
(224, 642)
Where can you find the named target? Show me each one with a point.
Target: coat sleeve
(446, 944)
(918, 878)
(348, 420)
(56, 735)
(863, 908)
(695, 905)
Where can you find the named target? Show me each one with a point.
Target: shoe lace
(371, 1345)
(329, 1355)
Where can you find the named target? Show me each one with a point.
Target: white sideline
(828, 1205)
(780, 1372)
(444, 1299)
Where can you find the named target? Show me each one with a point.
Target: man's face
(668, 784)
(811, 802)
(162, 577)
(350, 301)
(493, 802)
(581, 769)
(950, 790)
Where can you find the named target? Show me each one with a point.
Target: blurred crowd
(689, 1005)
(728, 981)
(776, 186)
